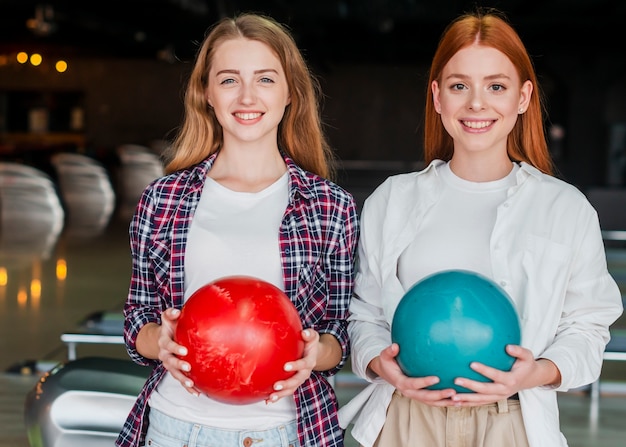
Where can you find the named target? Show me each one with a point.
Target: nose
(247, 94)
(475, 100)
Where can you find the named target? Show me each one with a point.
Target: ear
(525, 94)
(434, 87)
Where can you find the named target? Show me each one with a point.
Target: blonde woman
(246, 194)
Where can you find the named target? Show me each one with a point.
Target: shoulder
(551, 187)
(405, 188)
(317, 188)
(178, 182)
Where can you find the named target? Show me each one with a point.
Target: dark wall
(582, 92)
(373, 111)
(125, 101)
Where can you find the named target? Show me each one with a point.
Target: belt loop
(503, 406)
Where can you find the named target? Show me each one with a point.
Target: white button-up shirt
(546, 252)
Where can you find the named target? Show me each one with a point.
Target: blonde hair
(300, 133)
(527, 141)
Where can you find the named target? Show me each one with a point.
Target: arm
(592, 303)
(326, 309)
(142, 305)
(373, 354)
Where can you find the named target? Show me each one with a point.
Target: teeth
(247, 116)
(477, 124)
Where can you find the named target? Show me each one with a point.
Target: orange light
(35, 288)
(61, 269)
(22, 297)
(36, 59)
(4, 277)
(22, 57)
(61, 66)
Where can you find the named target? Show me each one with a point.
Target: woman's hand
(525, 373)
(386, 367)
(170, 351)
(302, 367)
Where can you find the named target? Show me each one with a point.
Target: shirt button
(247, 441)
(287, 251)
(503, 283)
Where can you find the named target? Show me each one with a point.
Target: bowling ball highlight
(239, 332)
(450, 319)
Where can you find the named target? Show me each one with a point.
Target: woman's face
(479, 98)
(248, 91)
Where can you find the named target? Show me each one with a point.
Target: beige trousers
(411, 423)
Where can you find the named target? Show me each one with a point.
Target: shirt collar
(299, 180)
(525, 171)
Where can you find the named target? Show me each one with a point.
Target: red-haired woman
(487, 202)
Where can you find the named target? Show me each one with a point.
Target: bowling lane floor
(43, 295)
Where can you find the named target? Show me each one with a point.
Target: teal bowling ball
(448, 320)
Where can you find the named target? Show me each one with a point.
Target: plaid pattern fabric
(318, 237)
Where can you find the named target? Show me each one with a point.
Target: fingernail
(175, 312)
(306, 332)
(278, 387)
(182, 351)
(288, 367)
(188, 383)
(186, 367)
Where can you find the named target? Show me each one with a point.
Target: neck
(248, 170)
(480, 168)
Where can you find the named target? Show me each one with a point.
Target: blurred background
(91, 94)
(124, 65)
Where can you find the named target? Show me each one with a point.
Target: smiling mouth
(248, 116)
(477, 124)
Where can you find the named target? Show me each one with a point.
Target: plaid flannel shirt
(318, 237)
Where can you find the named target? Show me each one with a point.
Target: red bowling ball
(239, 332)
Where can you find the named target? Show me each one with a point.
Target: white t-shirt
(456, 232)
(232, 233)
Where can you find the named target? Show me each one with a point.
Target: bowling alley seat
(140, 165)
(83, 402)
(86, 192)
(31, 214)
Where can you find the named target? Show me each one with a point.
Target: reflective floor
(51, 285)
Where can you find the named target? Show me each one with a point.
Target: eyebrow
(488, 78)
(233, 71)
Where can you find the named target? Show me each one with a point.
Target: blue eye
(498, 87)
(267, 80)
(457, 87)
(227, 81)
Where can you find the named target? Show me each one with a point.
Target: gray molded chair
(139, 166)
(83, 402)
(31, 214)
(87, 193)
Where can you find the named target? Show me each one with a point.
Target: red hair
(527, 141)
